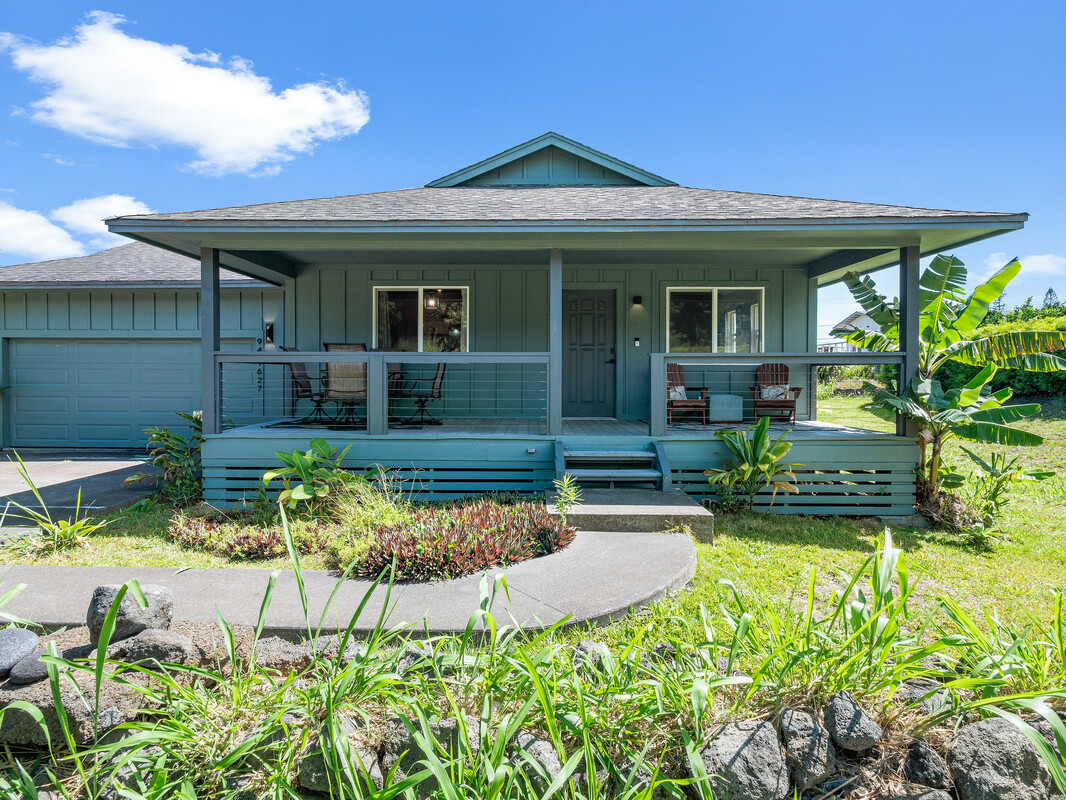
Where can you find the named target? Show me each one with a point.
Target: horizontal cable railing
(704, 388)
(379, 392)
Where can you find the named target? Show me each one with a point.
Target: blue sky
(168, 106)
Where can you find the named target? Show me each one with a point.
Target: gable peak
(551, 160)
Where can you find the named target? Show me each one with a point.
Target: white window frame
(714, 311)
(421, 289)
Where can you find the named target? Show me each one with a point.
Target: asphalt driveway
(59, 474)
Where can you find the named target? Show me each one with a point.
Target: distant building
(858, 321)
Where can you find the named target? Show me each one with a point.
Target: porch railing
(734, 374)
(379, 392)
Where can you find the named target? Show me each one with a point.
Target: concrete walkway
(597, 579)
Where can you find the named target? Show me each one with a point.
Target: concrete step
(638, 510)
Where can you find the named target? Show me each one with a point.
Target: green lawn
(1014, 575)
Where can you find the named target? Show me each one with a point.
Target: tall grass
(626, 725)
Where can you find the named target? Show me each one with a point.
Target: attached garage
(97, 349)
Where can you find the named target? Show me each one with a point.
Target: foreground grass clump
(622, 723)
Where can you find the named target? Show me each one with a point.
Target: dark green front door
(588, 353)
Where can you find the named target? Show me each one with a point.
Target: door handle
(609, 361)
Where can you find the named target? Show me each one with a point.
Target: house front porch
(843, 469)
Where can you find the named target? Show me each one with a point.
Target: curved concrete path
(597, 579)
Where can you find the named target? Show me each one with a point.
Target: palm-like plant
(947, 325)
(755, 462)
(948, 319)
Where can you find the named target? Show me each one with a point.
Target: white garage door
(99, 392)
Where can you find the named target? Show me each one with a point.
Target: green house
(545, 310)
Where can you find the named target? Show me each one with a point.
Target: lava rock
(269, 736)
(283, 656)
(922, 794)
(15, 645)
(400, 747)
(595, 653)
(993, 760)
(924, 766)
(636, 776)
(924, 694)
(662, 652)
(31, 669)
(154, 644)
(329, 647)
(744, 761)
(542, 753)
(808, 748)
(416, 656)
(850, 726)
(131, 619)
(314, 775)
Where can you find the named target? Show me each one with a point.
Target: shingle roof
(133, 263)
(557, 203)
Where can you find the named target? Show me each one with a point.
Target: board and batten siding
(54, 335)
(509, 313)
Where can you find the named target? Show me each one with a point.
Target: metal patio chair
(422, 397)
(303, 389)
(345, 383)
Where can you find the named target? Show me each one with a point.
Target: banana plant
(948, 320)
(755, 463)
(974, 413)
(947, 325)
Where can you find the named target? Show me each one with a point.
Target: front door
(588, 353)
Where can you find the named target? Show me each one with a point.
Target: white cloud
(108, 87)
(31, 236)
(88, 215)
(63, 162)
(1047, 264)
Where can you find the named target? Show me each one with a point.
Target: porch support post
(909, 311)
(555, 342)
(377, 396)
(657, 418)
(209, 338)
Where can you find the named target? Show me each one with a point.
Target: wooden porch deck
(527, 428)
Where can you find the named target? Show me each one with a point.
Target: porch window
(714, 320)
(421, 319)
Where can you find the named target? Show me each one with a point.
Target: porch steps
(638, 510)
(594, 465)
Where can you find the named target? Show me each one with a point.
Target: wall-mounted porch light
(269, 333)
(433, 299)
(638, 300)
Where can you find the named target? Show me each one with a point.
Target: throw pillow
(774, 392)
(677, 393)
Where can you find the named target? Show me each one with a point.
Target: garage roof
(129, 265)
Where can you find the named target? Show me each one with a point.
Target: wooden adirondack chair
(768, 376)
(678, 403)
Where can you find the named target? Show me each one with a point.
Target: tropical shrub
(987, 493)
(753, 462)
(178, 457)
(463, 539)
(310, 477)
